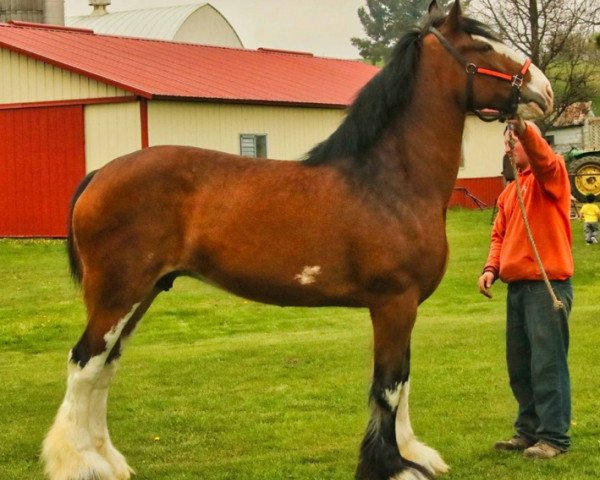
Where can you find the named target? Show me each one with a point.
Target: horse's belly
(279, 273)
(301, 289)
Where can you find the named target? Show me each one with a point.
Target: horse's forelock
(475, 27)
(466, 24)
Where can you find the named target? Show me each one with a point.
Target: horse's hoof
(425, 456)
(410, 474)
(78, 466)
(121, 470)
(66, 460)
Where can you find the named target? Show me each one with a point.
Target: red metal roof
(159, 69)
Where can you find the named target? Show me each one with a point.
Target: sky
(322, 27)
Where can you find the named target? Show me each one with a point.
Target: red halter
(486, 114)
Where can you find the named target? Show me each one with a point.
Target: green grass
(216, 387)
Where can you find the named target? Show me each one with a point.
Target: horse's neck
(426, 140)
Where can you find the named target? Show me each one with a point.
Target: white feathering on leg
(70, 450)
(99, 427)
(410, 448)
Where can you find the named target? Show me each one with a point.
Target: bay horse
(360, 222)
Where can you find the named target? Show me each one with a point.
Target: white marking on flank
(308, 275)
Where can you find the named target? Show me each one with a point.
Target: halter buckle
(471, 68)
(517, 81)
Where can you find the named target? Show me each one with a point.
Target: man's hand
(485, 283)
(519, 124)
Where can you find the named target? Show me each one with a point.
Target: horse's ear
(434, 8)
(452, 21)
(456, 7)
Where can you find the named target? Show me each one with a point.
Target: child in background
(591, 216)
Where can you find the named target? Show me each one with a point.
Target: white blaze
(538, 86)
(499, 47)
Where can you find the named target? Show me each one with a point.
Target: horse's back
(152, 180)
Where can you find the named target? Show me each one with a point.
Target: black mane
(383, 97)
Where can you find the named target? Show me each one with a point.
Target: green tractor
(584, 172)
(584, 164)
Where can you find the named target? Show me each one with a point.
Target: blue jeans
(537, 344)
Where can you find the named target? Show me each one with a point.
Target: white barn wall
(291, 131)
(566, 138)
(483, 149)
(25, 79)
(111, 130)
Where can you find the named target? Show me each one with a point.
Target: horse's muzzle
(536, 104)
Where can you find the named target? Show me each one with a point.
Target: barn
(195, 23)
(72, 100)
(568, 130)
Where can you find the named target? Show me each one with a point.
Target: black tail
(74, 263)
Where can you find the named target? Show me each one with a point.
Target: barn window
(252, 145)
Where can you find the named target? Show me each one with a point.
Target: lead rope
(556, 303)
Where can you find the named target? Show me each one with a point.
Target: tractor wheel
(585, 177)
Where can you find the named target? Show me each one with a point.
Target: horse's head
(499, 81)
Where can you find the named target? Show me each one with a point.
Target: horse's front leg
(410, 448)
(390, 450)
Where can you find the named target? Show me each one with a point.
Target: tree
(557, 35)
(383, 22)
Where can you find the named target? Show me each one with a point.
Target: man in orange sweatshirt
(537, 335)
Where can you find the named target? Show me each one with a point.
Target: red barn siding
(42, 159)
(484, 190)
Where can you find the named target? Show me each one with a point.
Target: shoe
(518, 442)
(542, 450)
(594, 240)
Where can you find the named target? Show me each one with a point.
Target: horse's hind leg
(384, 453)
(99, 397)
(78, 445)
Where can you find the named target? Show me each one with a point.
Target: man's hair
(590, 197)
